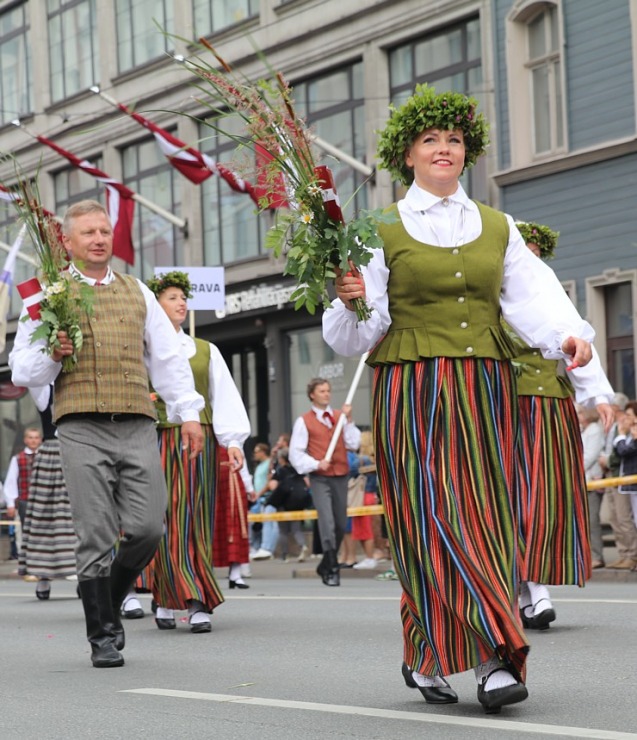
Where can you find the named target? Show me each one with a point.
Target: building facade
(560, 98)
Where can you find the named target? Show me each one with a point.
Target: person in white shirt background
(309, 443)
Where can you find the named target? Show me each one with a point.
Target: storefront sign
(259, 296)
(208, 286)
(331, 371)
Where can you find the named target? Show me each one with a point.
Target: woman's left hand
(236, 457)
(606, 415)
(579, 350)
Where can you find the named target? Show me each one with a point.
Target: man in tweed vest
(106, 422)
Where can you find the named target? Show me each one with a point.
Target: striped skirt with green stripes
(182, 568)
(445, 432)
(555, 529)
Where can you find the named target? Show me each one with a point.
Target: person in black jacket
(289, 492)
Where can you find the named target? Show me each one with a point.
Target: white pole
(350, 395)
(191, 327)
(361, 167)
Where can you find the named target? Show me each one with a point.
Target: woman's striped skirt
(554, 523)
(445, 433)
(182, 568)
(48, 538)
(232, 531)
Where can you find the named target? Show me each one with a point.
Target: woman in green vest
(554, 512)
(181, 573)
(444, 400)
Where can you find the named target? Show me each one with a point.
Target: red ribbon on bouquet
(331, 202)
(31, 293)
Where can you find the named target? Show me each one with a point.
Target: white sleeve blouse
(532, 299)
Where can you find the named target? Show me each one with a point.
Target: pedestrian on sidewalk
(106, 421)
(444, 403)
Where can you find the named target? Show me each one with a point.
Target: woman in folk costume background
(444, 399)
(181, 573)
(554, 512)
(48, 537)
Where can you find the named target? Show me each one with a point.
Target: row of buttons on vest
(463, 324)
(538, 371)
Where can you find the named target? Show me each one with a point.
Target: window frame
(27, 63)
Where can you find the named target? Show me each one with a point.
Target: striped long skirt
(445, 432)
(554, 533)
(182, 568)
(48, 538)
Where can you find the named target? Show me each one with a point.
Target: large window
(140, 31)
(211, 16)
(73, 184)
(310, 357)
(543, 63)
(446, 60)
(15, 64)
(73, 48)
(157, 241)
(333, 106)
(620, 347)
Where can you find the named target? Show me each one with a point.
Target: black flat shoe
(200, 627)
(132, 613)
(165, 624)
(237, 584)
(541, 621)
(431, 694)
(43, 595)
(494, 700)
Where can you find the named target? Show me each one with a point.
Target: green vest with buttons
(110, 375)
(445, 301)
(200, 366)
(537, 376)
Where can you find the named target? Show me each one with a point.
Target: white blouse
(532, 299)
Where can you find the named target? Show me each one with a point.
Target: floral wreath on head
(545, 238)
(427, 109)
(173, 279)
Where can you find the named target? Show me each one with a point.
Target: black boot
(98, 611)
(122, 580)
(333, 577)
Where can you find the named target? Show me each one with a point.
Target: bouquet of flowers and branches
(311, 232)
(64, 299)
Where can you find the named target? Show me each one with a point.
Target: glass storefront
(310, 357)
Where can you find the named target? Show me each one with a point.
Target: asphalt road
(292, 659)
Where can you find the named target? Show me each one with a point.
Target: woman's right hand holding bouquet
(349, 286)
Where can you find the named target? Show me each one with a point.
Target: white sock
(499, 677)
(164, 613)
(197, 612)
(234, 574)
(428, 681)
(43, 585)
(131, 602)
(525, 595)
(539, 593)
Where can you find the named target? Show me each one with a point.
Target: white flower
(55, 288)
(307, 217)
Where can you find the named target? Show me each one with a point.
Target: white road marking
(493, 724)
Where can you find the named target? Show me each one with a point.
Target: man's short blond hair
(81, 208)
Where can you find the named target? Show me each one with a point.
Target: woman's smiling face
(437, 158)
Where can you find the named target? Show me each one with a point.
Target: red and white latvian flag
(328, 191)
(31, 293)
(119, 203)
(193, 164)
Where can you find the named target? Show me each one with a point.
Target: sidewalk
(275, 568)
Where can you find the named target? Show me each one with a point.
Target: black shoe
(237, 584)
(541, 621)
(431, 694)
(199, 628)
(131, 613)
(44, 594)
(493, 700)
(165, 624)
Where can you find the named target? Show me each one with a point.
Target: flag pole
(191, 328)
(167, 215)
(348, 400)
